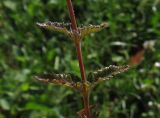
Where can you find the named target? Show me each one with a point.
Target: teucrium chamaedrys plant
(77, 34)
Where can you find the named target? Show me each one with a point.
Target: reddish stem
(80, 59)
(72, 15)
(85, 91)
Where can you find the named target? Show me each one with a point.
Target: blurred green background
(26, 50)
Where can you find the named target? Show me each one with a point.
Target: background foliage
(26, 50)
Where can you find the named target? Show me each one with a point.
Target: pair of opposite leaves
(71, 80)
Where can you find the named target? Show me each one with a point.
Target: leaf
(68, 80)
(92, 29)
(57, 27)
(11, 5)
(66, 29)
(36, 106)
(106, 73)
(4, 104)
(2, 116)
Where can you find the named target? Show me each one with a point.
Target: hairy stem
(85, 91)
(72, 15)
(80, 59)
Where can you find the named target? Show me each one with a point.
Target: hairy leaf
(65, 28)
(106, 73)
(68, 80)
(92, 29)
(57, 27)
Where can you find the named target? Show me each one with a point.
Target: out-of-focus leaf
(106, 73)
(35, 106)
(2, 116)
(4, 104)
(149, 45)
(10, 4)
(68, 80)
(24, 87)
(56, 63)
(74, 67)
(117, 58)
(51, 54)
(118, 43)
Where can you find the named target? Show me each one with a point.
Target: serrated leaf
(66, 29)
(92, 29)
(57, 27)
(68, 80)
(106, 73)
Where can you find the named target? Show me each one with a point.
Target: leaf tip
(36, 77)
(41, 24)
(104, 25)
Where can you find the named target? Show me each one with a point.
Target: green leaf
(4, 104)
(106, 73)
(2, 116)
(10, 4)
(68, 80)
(25, 86)
(36, 106)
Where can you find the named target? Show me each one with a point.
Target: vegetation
(85, 84)
(25, 50)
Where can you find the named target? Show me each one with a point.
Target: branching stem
(85, 91)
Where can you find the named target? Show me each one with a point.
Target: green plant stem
(85, 91)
